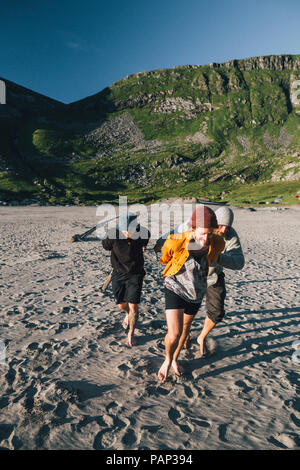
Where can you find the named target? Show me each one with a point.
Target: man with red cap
(187, 257)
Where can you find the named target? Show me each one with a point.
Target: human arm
(178, 229)
(167, 252)
(233, 256)
(217, 246)
(107, 242)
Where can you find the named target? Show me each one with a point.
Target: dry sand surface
(69, 380)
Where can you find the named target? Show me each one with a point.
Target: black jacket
(126, 253)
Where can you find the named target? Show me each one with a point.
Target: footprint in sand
(31, 348)
(10, 376)
(33, 411)
(222, 432)
(141, 366)
(4, 401)
(67, 392)
(8, 439)
(55, 366)
(41, 358)
(294, 403)
(65, 326)
(113, 405)
(15, 442)
(188, 391)
(123, 368)
(129, 438)
(202, 422)
(6, 431)
(116, 346)
(285, 441)
(159, 346)
(61, 409)
(42, 436)
(93, 346)
(104, 440)
(119, 423)
(243, 386)
(152, 390)
(151, 429)
(174, 416)
(295, 420)
(107, 330)
(154, 327)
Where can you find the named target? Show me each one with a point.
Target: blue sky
(70, 49)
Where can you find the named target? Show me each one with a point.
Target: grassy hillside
(227, 131)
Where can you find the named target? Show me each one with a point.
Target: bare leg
(187, 322)
(125, 307)
(207, 327)
(175, 325)
(132, 319)
(186, 344)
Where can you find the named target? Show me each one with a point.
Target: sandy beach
(70, 381)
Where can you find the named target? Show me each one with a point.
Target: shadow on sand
(263, 352)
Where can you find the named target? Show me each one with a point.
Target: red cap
(204, 217)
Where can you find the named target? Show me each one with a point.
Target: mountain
(228, 131)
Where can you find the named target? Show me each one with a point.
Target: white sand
(71, 382)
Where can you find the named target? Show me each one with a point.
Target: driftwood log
(106, 283)
(78, 237)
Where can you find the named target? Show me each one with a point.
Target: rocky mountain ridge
(209, 129)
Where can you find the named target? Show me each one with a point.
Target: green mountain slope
(228, 131)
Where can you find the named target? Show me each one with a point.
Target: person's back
(127, 243)
(127, 253)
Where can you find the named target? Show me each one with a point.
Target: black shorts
(173, 301)
(127, 287)
(215, 297)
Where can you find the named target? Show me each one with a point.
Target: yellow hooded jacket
(175, 252)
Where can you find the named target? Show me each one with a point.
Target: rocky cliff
(189, 131)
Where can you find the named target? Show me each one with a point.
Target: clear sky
(70, 49)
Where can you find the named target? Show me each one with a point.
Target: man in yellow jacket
(187, 257)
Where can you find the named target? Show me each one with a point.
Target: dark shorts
(215, 297)
(173, 301)
(127, 287)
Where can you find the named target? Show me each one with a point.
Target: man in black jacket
(127, 244)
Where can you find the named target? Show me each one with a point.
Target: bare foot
(187, 342)
(131, 340)
(201, 343)
(179, 370)
(125, 322)
(163, 371)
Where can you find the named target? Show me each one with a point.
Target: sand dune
(70, 381)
